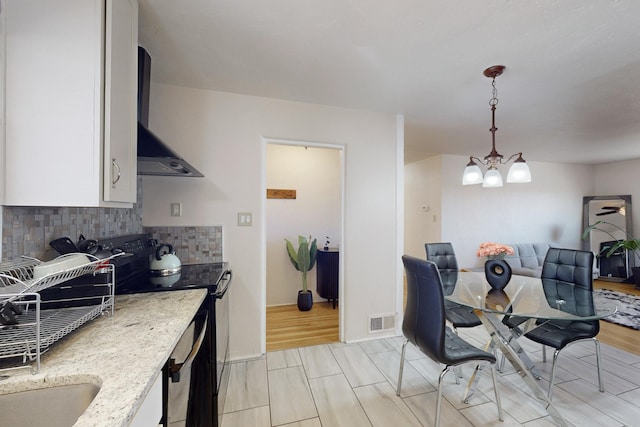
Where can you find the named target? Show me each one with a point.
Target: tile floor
(353, 385)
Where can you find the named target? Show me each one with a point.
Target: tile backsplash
(193, 245)
(28, 231)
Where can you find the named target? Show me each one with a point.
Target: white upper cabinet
(71, 99)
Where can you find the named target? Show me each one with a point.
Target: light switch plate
(176, 209)
(245, 219)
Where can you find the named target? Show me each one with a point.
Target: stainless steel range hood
(154, 156)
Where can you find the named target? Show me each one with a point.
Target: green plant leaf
(304, 258)
(313, 252)
(293, 256)
(629, 245)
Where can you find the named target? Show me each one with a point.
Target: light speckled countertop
(123, 354)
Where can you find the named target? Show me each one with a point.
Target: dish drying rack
(29, 328)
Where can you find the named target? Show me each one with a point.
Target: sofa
(527, 259)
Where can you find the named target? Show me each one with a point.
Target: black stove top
(193, 276)
(132, 268)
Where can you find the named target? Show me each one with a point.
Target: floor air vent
(381, 323)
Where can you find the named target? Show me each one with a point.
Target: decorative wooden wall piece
(273, 193)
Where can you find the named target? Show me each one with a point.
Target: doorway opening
(304, 183)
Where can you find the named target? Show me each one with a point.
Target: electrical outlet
(245, 219)
(176, 209)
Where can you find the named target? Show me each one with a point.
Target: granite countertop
(124, 354)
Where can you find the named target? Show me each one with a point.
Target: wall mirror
(615, 211)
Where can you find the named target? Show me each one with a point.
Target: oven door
(183, 400)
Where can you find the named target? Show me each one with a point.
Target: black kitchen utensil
(64, 245)
(88, 246)
(8, 312)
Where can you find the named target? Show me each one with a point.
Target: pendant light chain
(519, 171)
(494, 101)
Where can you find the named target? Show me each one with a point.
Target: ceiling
(570, 91)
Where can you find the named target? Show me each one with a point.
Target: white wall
(315, 174)
(422, 205)
(549, 209)
(223, 135)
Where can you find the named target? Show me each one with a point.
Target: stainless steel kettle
(165, 262)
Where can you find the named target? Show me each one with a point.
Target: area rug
(628, 307)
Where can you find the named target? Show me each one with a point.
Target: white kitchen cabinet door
(56, 107)
(150, 410)
(121, 88)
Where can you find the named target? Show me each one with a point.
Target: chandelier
(519, 171)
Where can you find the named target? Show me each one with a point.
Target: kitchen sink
(54, 406)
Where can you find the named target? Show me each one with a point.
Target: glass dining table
(530, 299)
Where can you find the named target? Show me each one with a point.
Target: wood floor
(618, 336)
(287, 327)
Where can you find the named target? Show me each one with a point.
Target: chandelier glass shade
(518, 172)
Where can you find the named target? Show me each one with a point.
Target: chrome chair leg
(456, 369)
(553, 369)
(553, 373)
(544, 353)
(458, 374)
(600, 383)
(471, 385)
(494, 377)
(439, 400)
(404, 348)
(473, 379)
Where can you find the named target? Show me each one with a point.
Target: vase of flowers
(496, 269)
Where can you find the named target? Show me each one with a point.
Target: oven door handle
(226, 276)
(175, 368)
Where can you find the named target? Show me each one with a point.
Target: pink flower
(494, 250)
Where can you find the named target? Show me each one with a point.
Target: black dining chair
(442, 254)
(459, 316)
(568, 284)
(424, 325)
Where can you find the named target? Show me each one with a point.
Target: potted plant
(630, 244)
(303, 260)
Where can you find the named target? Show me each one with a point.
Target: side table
(327, 274)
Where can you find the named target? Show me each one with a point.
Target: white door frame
(263, 208)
